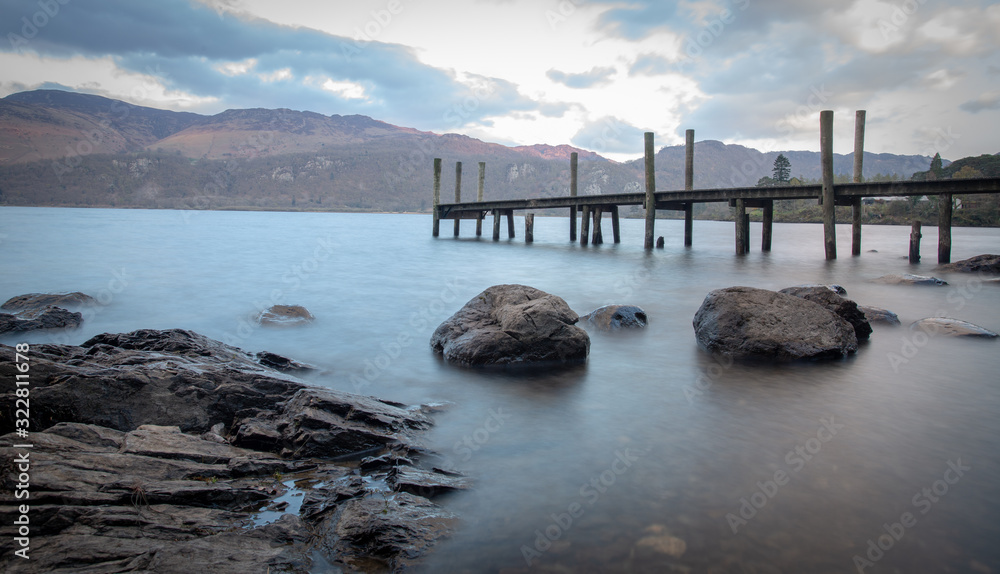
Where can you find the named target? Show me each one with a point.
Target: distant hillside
(70, 149)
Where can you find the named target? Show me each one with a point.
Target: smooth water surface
(604, 467)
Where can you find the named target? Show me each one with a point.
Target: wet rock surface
(908, 279)
(616, 317)
(987, 263)
(285, 316)
(745, 322)
(832, 299)
(879, 315)
(36, 319)
(159, 451)
(512, 325)
(39, 300)
(946, 326)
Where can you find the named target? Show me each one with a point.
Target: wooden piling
(741, 221)
(510, 224)
(767, 223)
(660, 242)
(688, 186)
(585, 225)
(496, 225)
(746, 233)
(573, 161)
(915, 242)
(437, 197)
(859, 155)
(598, 237)
(458, 193)
(616, 228)
(529, 227)
(479, 197)
(944, 227)
(650, 191)
(829, 204)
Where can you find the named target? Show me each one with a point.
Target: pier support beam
(598, 237)
(915, 242)
(585, 225)
(829, 203)
(458, 193)
(496, 225)
(437, 197)
(650, 191)
(616, 228)
(479, 197)
(944, 227)
(573, 161)
(529, 228)
(688, 186)
(741, 224)
(859, 155)
(510, 223)
(767, 224)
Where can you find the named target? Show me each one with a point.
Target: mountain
(70, 149)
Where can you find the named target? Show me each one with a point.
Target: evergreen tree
(782, 169)
(936, 166)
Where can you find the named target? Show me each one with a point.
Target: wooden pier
(592, 207)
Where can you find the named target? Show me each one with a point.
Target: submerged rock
(615, 317)
(979, 264)
(512, 325)
(908, 279)
(951, 328)
(831, 299)
(285, 316)
(36, 319)
(838, 289)
(879, 315)
(745, 322)
(39, 300)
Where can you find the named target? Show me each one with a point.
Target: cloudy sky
(592, 73)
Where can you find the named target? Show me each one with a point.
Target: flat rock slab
(512, 325)
(616, 317)
(745, 322)
(908, 279)
(39, 300)
(37, 319)
(951, 328)
(979, 264)
(879, 315)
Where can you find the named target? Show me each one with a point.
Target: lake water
(608, 466)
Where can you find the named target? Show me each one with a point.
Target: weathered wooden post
(510, 224)
(479, 197)
(584, 225)
(746, 233)
(915, 242)
(650, 191)
(859, 155)
(688, 186)
(496, 224)
(829, 202)
(437, 197)
(767, 224)
(616, 228)
(741, 222)
(529, 227)
(598, 237)
(458, 193)
(944, 228)
(573, 161)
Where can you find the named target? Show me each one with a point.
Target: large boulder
(39, 300)
(830, 299)
(979, 264)
(36, 319)
(615, 317)
(744, 322)
(512, 325)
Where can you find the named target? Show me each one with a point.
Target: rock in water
(745, 322)
(615, 317)
(285, 316)
(909, 279)
(39, 300)
(831, 299)
(978, 264)
(951, 328)
(512, 325)
(879, 315)
(36, 319)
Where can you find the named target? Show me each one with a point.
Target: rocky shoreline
(156, 450)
